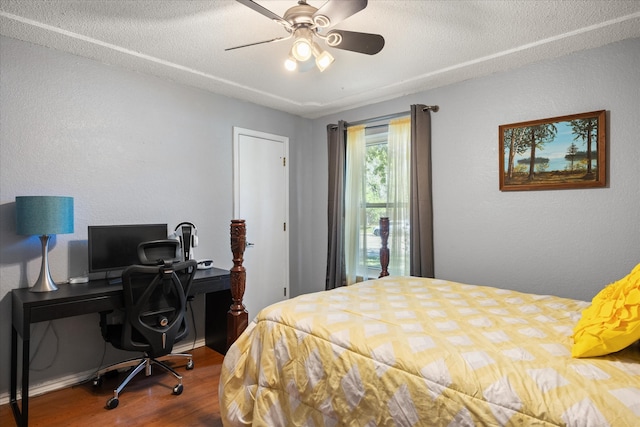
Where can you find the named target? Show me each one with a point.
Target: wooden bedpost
(237, 316)
(384, 250)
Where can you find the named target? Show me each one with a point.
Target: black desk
(94, 297)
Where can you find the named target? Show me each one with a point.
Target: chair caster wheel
(190, 365)
(177, 390)
(97, 381)
(112, 403)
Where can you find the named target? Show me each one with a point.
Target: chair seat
(113, 334)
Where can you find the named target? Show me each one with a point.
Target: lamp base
(44, 283)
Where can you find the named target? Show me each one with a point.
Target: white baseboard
(78, 378)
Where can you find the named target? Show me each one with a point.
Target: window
(377, 184)
(375, 203)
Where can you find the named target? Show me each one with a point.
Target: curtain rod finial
(433, 108)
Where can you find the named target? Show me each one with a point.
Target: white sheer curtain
(399, 195)
(354, 214)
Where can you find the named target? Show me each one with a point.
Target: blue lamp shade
(44, 215)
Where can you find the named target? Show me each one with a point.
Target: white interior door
(261, 198)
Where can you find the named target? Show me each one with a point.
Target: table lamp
(44, 216)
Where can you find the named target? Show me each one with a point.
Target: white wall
(564, 242)
(130, 149)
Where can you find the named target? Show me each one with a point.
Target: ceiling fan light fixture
(301, 49)
(324, 60)
(290, 64)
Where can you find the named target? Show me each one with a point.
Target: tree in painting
(515, 143)
(572, 151)
(587, 131)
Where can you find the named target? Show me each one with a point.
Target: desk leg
(22, 418)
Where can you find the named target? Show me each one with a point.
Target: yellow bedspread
(423, 352)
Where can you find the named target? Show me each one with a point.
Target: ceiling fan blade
(277, 39)
(369, 44)
(266, 12)
(339, 10)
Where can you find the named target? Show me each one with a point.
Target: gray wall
(130, 149)
(122, 144)
(564, 242)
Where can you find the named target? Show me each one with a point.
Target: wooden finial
(237, 316)
(384, 250)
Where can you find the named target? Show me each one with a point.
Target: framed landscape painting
(556, 153)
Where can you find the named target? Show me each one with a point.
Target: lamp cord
(104, 354)
(193, 322)
(51, 326)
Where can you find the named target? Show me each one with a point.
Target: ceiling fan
(305, 24)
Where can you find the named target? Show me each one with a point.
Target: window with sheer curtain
(377, 183)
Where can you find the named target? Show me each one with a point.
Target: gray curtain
(336, 136)
(421, 264)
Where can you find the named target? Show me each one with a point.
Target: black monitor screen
(112, 248)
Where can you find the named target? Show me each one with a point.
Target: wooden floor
(146, 401)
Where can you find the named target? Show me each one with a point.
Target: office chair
(154, 252)
(154, 315)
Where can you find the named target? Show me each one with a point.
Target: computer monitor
(112, 248)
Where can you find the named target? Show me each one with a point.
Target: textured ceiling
(427, 43)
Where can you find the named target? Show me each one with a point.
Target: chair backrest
(155, 306)
(156, 252)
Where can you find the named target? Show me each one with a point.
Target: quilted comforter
(423, 352)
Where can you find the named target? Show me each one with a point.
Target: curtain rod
(378, 119)
(433, 108)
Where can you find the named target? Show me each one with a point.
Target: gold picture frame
(556, 153)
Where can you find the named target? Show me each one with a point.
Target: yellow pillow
(612, 321)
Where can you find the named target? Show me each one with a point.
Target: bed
(408, 351)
